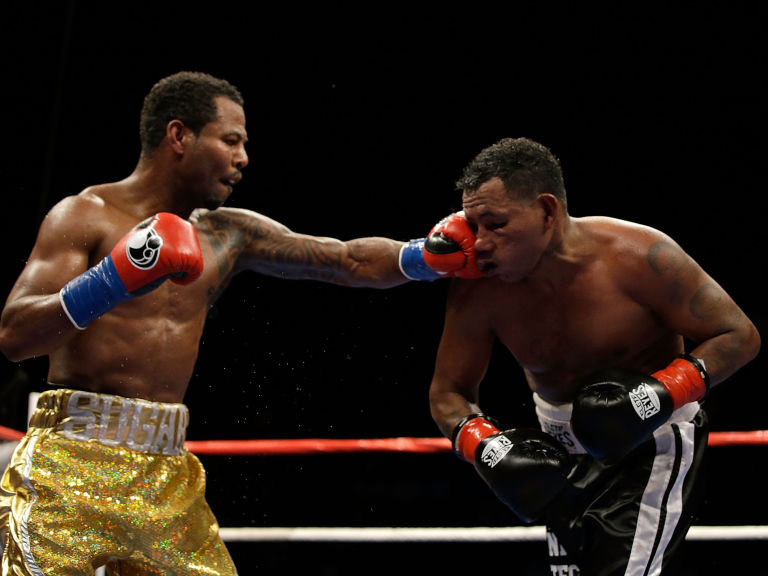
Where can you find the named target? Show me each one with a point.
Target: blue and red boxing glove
(447, 251)
(161, 247)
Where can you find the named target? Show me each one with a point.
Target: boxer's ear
(178, 135)
(550, 207)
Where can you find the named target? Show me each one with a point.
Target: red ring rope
(10, 434)
(404, 444)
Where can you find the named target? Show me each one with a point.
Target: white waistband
(555, 420)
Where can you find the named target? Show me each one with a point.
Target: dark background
(361, 117)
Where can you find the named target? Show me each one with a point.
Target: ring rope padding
(401, 444)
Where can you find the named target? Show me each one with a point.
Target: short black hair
(186, 96)
(526, 167)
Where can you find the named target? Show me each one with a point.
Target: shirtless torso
(570, 296)
(147, 346)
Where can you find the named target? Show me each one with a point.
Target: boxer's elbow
(12, 348)
(20, 339)
(753, 342)
(737, 349)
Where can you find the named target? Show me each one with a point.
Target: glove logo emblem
(495, 450)
(143, 248)
(645, 401)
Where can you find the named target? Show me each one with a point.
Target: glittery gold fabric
(105, 480)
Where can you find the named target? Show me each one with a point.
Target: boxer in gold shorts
(91, 470)
(115, 293)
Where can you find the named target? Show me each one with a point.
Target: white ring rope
(458, 535)
(470, 534)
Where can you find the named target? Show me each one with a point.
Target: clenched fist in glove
(447, 251)
(525, 468)
(616, 410)
(164, 246)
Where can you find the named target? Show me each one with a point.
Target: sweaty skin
(147, 347)
(569, 296)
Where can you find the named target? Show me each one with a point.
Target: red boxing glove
(449, 248)
(164, 246)
(685, 379)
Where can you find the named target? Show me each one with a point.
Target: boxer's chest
(574, 332)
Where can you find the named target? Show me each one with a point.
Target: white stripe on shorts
(661, 505)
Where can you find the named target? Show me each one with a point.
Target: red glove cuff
(685, 379)
(468, 434)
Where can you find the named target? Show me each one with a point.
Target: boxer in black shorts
(629, 516)
(597, 312)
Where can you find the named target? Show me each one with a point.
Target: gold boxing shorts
(102, 480)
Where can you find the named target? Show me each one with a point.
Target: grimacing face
(512, 235)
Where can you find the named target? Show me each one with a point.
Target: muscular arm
(245, 240)
(689, 301)
(33, 322)
(463, 357)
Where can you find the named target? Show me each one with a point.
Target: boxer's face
(215, 158)
(512, 234)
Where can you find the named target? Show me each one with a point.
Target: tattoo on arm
(669, 261)
(665, 258)
(227, 237)
(243, 241)
(706, 302)
(672, 263)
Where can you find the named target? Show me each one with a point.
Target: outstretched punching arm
(250, 241)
